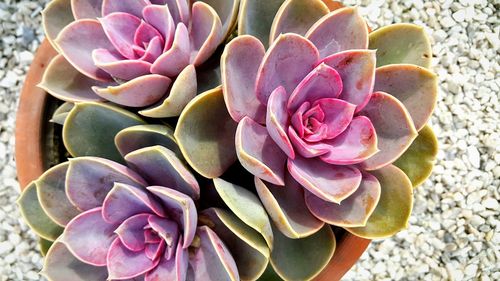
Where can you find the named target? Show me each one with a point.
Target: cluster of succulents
(306, 123)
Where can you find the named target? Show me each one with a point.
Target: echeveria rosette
(134, 53)
(122, 222)
(329, 107)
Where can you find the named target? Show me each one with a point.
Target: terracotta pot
(38, 146)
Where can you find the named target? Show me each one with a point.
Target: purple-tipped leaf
(118, 66)
(174, 269)
(277, 121)
(124, 264)
(131, 232)
(159, 17)
(172, 62)
(205, 33)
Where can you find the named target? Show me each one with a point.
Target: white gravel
(454, 231)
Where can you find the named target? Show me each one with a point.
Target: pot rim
(30, 156)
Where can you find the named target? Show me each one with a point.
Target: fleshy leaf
(329, 182)
(160, 166)
(239, 65)
(131, 232)
(61, 265)
(35, 216)
(211, 261)
(133, 7)
(357, 69)
(270, 274)
(277, 120)
(286, 63)
(247, 246)
(56, 15)
(120, 259)
(51, 191)
(141, 91)
(64, 82)
(181, 208)
(90, 129)
(89, 237)
(302, 259)
(86, 9)
(77, 49)
(414, 86)
(174, 269)
(286, 207)
(297, 16)
(256, 18)
(394, 127)
(339, 31)
(173, 61)
(141, 136)
(205, 134)
(89, 179)
(44, 245)
(258, 153)
(61, 113)
(247, 207)
(205, 33)
(401, 43)
(182, 92)
(418, 160)
(228, 13)
(353, 211)
(394, 207)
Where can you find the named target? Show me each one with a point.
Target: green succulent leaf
(141, 136)
(90, 129)
(417, 162)
(44, 245)
(246, 245)
(270, 274)
(51, 192)
(55, 17)
(205, 134)
(302, 259)
(256, 18)
(247, 207)
(401, 43)
(61, 113)
(35, 216)
(394, 207)
(297, 16)
(227, 11)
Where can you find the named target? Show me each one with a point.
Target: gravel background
(454, 231)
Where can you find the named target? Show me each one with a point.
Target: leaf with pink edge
(205, 134)
(51, 192)
(56, 15)
(277, 120)
(297, 16)
(124, 201)
(182, 92)
(181, 208)
(394, 207)
(119, 67)
(205, 32)
(329, 182)
(286, 63)
(139, 92)
(131, 232)
(120, 259)
(256, 18)
(160, 166)
(258, 153)
(64, 82)
(357, 69)
(88, 237)
(174, 269)
(35, 216)
(418, 160)
(90, 129)
(414, 86)
(322, 82)
(86, 9)
(341, 30)
(89, 179)
(302, 259)
(247, 246)
(228, 13)
(286, 207)
(133, 7)
(353, 211)
(173, 61)
(60, 264)
(74, 45)
(159, 17)
(141, 136)
(401, 43)
(211, 261)
(394, 127)
(246, 206)
(239, 64)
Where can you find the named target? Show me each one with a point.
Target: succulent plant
(134, 53)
